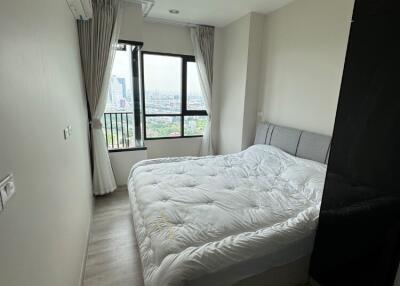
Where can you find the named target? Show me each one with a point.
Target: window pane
(195, 100)
(163, 126)
(118, 120)
(194, 125)
(120, 93)
(162, 84)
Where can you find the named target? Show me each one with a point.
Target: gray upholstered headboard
(299, 143)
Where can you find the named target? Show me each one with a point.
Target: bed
(218, 220)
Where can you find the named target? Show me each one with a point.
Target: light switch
(7, 189)
(66, 133)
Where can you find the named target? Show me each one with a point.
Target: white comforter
(195, 216)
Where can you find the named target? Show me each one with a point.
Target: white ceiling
(212, 12)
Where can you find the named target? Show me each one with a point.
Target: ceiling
(212, 12)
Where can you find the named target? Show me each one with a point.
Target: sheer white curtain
(98, 38)
(203, 44)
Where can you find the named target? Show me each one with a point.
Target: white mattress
(195, 216)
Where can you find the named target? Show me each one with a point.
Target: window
(121, 120)
(172, 97)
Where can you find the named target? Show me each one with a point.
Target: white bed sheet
(196, 216)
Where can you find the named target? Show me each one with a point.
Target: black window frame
(184, 110)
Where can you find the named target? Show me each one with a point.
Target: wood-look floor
(113, 258)
(112, 254)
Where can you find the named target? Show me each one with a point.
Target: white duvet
(195, 216)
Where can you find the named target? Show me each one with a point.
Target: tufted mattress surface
(197, 215)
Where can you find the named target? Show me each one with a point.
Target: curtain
(98, 38)
(203, 44)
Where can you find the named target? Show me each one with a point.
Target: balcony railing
(119, 130)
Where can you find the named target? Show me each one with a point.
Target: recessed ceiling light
(174, 11)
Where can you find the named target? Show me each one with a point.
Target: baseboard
(83, 266)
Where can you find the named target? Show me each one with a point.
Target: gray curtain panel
(98, 38)
(203, 44)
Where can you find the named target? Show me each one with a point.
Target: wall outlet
(69, 130)
(7, 189)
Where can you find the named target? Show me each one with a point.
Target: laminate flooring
(113, 258)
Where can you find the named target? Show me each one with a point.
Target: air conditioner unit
(81, 9)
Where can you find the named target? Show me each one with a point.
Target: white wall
(304, 51)
(229, 84)
(236, 72)
(122, 163)
(286, 65)
(166, 38)
(132, 22)
(44, 228)
(216, 86)
(173, 147)
(252, 79)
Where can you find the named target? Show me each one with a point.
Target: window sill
(168, 138)
(143, 148)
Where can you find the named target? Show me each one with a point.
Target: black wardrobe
(358, 237)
